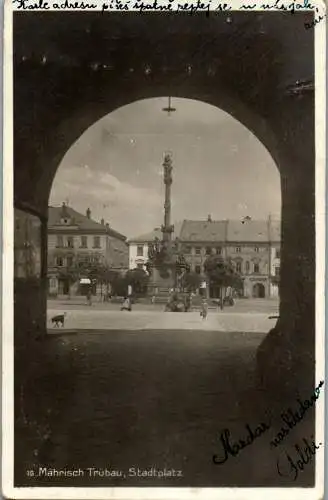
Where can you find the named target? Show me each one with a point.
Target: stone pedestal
(159, 285)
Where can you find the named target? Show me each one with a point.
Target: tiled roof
(250, 230)
(145, 238)
(253, 231)
(275, 230)
(196, 230)
(155, 233)
(82, 222)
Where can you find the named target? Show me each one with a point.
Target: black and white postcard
(164, 249)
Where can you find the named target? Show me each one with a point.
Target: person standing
(89, 297)
(204, 309)
(126, 305)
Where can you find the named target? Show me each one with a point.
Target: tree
(222, 274)
(119, 284)
(191, 281)
(138, 279)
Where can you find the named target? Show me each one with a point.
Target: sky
(219, 167)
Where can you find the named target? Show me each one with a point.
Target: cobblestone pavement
(160, 399)
(265, 306)
(100, 319)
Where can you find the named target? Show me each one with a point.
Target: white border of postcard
(8, 488)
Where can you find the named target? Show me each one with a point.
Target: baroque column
(167, 228)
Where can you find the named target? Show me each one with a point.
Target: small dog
(56, 320)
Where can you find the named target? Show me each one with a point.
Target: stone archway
(59, 95)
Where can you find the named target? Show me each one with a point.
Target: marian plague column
(166, 264)
(167, 228)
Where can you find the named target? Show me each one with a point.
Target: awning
(85, 281)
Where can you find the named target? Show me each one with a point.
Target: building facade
(138, 246)
(253, 246)
(138, 249)
(75, 240)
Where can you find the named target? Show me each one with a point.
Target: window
(140, 266)
(256, 268)
(60, 242)
(84, 242)
(277, 271)
(69, 261)
(197, 269)
(238, 267)
(238, 249)
(208, 251)
(96, 242)
(70, 242)
(188, 249)
(197, 250)
(277, 253)
(219, 251)
(247, 266)
(256, 249)
(59, 261)
(139, 251)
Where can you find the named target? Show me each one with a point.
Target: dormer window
(65, 220)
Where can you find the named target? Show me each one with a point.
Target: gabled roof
(196, 230)
(256, 231)
(78, 221)
(145, 238)
(275, 230)
(155, 233)
(220, 231)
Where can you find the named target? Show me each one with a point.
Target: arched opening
(55, 107)
(258, 291)
(225, 194)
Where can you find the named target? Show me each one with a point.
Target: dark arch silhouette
(66, 80)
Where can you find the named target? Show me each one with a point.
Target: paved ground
(144, 320)
(265, 306)
(160, 399)
(246, 315)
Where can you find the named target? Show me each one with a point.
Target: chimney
(88, 213)
(209, 218)
(102, 222)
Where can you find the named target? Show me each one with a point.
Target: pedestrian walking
(204, 309)
(89, 297)
(126, 305)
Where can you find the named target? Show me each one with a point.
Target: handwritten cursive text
(230, 448)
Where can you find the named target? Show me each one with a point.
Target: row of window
(256, 268)
(69, 260)
(208, 250)
(69, 243)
